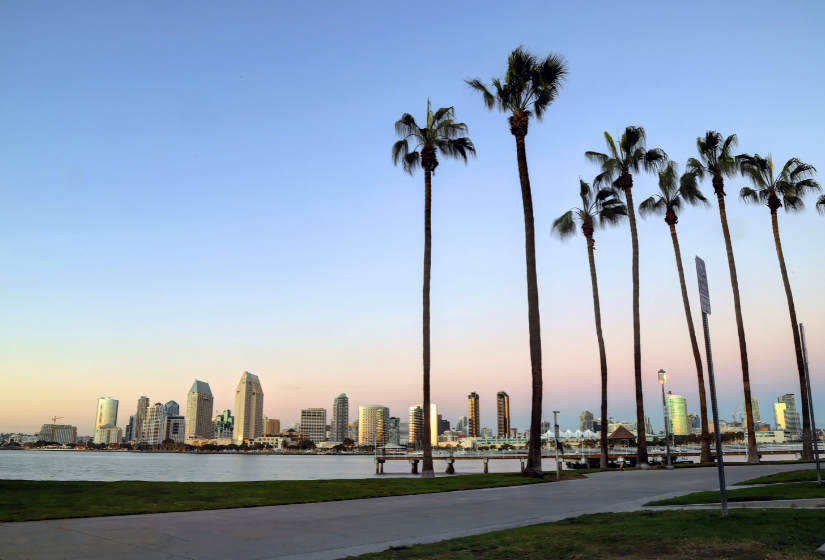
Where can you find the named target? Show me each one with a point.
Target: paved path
(339, 529)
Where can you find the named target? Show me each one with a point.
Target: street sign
(704, 294)
(557, 431)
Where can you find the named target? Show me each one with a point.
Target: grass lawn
(744, 534)
(26, 500)
(773, 492)
(806, 475)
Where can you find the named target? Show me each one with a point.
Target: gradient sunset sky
(194, 189)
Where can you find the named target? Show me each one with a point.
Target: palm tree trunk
(807, 444)
(533, 467)
(753, 456)
(602, 355)
(426, 439)
(641, 436)
(705, 456)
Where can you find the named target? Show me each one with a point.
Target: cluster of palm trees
(526, 91)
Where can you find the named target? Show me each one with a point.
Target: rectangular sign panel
(704, 294)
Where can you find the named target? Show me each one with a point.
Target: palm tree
(672, 192)
(793, 183)
(820, 205)
(599, 209)
(630, 156)
(717, 160)
(527, 90)
(440, 133)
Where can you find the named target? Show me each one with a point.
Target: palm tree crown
(715, 158)
(441, 132)
(599, 209)
(628, 156)
(793, 183)
(529, 87)
(673, 190)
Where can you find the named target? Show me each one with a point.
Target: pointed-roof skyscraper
(249, 408)
(199, 411)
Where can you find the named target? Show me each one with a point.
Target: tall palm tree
(599, 209)
(792, 184)
(617, 167)
(672, 192)
(440, 133)
(527, 90)
(717, 160)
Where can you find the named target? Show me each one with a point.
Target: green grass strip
(23, 500)
(665, 535)
(806, 475)
(765, 493)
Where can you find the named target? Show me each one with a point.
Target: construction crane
(734, 413)
(54, 421)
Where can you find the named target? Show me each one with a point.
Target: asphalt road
(338, 529)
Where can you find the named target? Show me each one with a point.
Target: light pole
(662, 379)
(556, 432)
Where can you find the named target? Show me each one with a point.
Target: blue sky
(195, 189)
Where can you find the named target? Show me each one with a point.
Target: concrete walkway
(339, 529)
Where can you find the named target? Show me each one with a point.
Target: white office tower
(154, 428)
(106, 412)
(340, 418)
(140, 419)
(172, 408)
(249, 406)
(314, 424)
(108, 434)
(199, 411)
(373, 424)
(461, 426)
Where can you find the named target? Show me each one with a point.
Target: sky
(190, 190)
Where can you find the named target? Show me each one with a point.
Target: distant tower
(140, 419)
(340, 418)
(154, 428)
(313, 423)
(416, 425)
(373, 424)
(503, 407)
(789, 416)
(249, 404)
(586, 421)
(199, 411)
(172, 408)
(474, 422)
(106, 412)
(677, 414)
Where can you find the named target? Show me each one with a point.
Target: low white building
(107, 434)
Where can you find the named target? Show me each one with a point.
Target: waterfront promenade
(338, 529)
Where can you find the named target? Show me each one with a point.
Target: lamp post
(556, 434)
(662, 379)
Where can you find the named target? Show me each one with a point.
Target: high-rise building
(199, 411)
(353, 431)
(175, 427)
(58, 433)
(473, 415)
(416, 425)
(340, 418)
(394, 431)
(106, 412)
(225, 425)
(586, 421)
(486, 433)
(461, 425)
(108, 434)
(249, 405)
(677, 414)
(154, 427)
(648, 425)
(545, 426)
(503, 409)
(786, 416)
(513, 432)
(443, 425)
(314, 424)
(129, 435)
(373, 424)
(172, 408)
(140, 419)
(755, 407)
(273, 426)
(694, 422)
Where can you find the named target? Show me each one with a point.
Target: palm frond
(696, 167)
(689, 190)
(654, 160)
(478, 86)
(399, 150)
(458, 148)
(793, 204)
(652, 206)
(410, 162)
(564, 227)
(749, 195)
(820, 205)
(406, 126)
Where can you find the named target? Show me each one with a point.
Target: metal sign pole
(704, 296)
(556, 425)
(810, 402)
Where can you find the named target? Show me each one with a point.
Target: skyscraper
(461, 425)
(225, 425)
(786, 415)
(694, 422)
(106, 412)
(154, 428)
(273, 426)
(545, 426)
(129, 435)
(416, 425)
(648, 425)
(314, 424)
(473, 419)
(175, 427)
(677, 414)
(755, 406)
(140, 419)
(586, 421)
(172, 408)
(394, 431)
(249, 405)
(503, 409)
(340, 418)
(373, 424)
(199, 411)
(443, 425)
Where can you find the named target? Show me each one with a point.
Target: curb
(808, 503)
